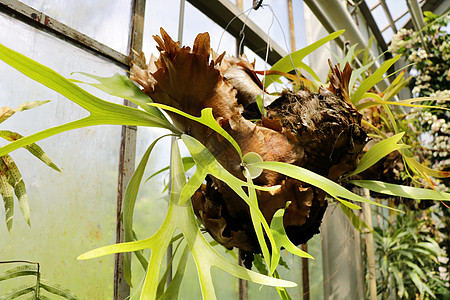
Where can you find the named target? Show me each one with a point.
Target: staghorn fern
(181, 213)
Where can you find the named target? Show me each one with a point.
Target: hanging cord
(241, 33)
(263, 112)
(256, 5)
(285, 41)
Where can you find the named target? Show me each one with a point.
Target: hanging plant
(259, 185)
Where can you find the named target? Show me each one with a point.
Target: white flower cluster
(445, 94)
(440, 186)
(440, 146)
(400, 40)
(440, 125)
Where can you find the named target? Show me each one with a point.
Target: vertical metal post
(242, 284)
(169, 252)
(240, 5)
(305, 274)
(417, 19)
(388, 15)
(370, 248)
(127, 155)
(305, 265)
(291, 25)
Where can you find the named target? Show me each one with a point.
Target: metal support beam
(39, 20)
(323, 19)
(127, 156)
(388, 15)
(223, 11)
(365, 11)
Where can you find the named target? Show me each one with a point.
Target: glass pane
(380, 17)
(387, 34)
(73, 211)
(103, 20)
(156, 16)
(402, 21)
(372, 3)
(196, 22)
(396, 8)
(299, 24)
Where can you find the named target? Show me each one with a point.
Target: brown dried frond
(339, 81)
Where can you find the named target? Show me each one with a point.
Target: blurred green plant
(11, 181)
(33, 290)
(429, 52)
(408, 258)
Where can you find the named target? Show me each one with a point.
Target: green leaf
(356, 73)
(16, 293)
(294, 60)
(6, 112)
(101, 112)
(164, 277)
(399, 279)
(282, 240)
(188, 164)
(373, 79)
(348, 204)
(129, 203)
(378, 151)
(420, 168)
(174, 287)
(260, 103)
(380, 101)
(401, 190)
(249, 158)
(123, 87)
(258, 225)
(32, 148)
(24, 270)
(7, 193)
(57, 289)
(181, 215)
(307, 176)
(206, 118)
(207, 164)
(15, 179)
(347, 59)
(357, 222)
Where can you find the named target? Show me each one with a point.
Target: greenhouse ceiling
(392, 15)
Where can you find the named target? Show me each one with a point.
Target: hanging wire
(265, 61)
(285, 41)
(256, 5)
(241, 33)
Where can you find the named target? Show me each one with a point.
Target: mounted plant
(264, 164)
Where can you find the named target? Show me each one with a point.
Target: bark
(319, 131)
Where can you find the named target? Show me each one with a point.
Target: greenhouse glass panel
(154, 20)
(105, 21)
(397, 8)
(72, 211)
(196, 22)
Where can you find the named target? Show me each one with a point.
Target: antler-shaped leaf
(101, 111)
(181, 215)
